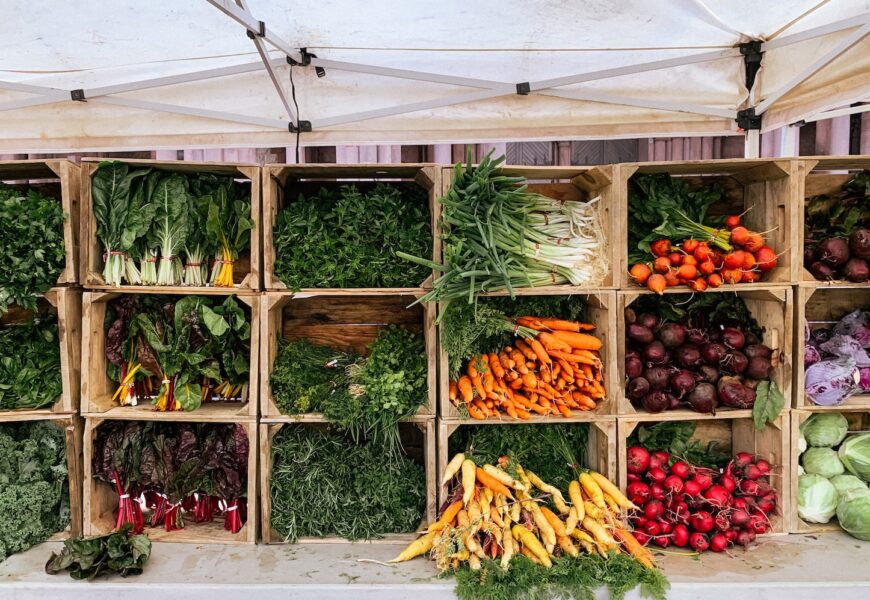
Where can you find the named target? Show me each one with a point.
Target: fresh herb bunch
(30, 374)
(832, 215)
(89, 558)
(675, 438)
(553, 452)
(656, 205)
(325, 484)
(470, 329)
(32, 250)
(701, 311)
(366, 396)
(354, 235)
(34, 495)
(577, 578)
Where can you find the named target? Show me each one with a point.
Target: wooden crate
(822, 305)
(600, 310)
(859, 421)
(72, 428)
(246, 270)
(67, 305)
(101, 500)
(425, 454)
(600, 449)
(771, 307)
(59, 179)
(768, 187)
(733, 435)
(97, 389)
(822, 175)
(281, 183)
(348, 323)
(569, 183)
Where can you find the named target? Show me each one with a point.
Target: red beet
(673, 484)
(648, 320)
(637, 459)
(638, 492)
(822, 272)
(734, 394)
(744, 538)
(856, 270)
(718, 543)
(833, 252)
(713, 353)
(736, 362)
(728, 482)
(708, 374)
(688, 356)
(655, 461)
(642, 538)
(733, 338)
(680, 535)
(766, 505)
(633, 365)
(703, 479)
(698, 542)
(759, 368)
(658, 377)
(763, 466)
(681, 513)
(859, 243)
(657, 491)
(758, 523)
(653, 509)
(680, 469)
(656, 401)
(703, 398)
(702, 521)
(652, 528)
(637, 388)
(662, 541)
(666, 527)
(682, 382)
(662, 458)
(655, 353)
(739, 518)
(731, 535)
(754, 350)
(692, 488)
(717, 496)
(672, 335)
(752, 472)
(722, 522)
(657, 475)
(696, 337)
(749, 487)
(639, 333)
(741, 459)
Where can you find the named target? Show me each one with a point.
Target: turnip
(702, 521)
(680, 535)
(637, 388)
(698, 542)
(718, 543)
(658, 377)
(703, 398)
(637, 460)
(639, 333)
(833, 251)
(688, 356)
(856, 270)
(682, 382)
(713, 353)
(656, 401)
(859, 243)
(672, 335)
(733, 338)
(655, 353)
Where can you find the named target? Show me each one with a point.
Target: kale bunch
(88, 558)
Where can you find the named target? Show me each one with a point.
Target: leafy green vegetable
(30, 374)
(577, 578)
(348, 238)
(324, 484)
(839, 214)
(171, 226)
(32, 251)
(703, 311)
(675, 438)
(89, 558)
(228, 223)
(769, 402)
(553, 452)
(654, 202)
(306, 377)
(34, 492)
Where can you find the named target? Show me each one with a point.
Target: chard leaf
(215, 323)
(769, 402)
(171, 222)
(189, 396)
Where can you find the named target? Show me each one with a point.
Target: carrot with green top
(582, 341)
(492, 483)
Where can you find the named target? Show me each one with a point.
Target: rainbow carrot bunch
(499, 512)
(551, 368)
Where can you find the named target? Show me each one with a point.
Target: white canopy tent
(124, 74)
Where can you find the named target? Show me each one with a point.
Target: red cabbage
(865, 379)
(811, 355)
(856, 325)
(845, 345)
(831, 382)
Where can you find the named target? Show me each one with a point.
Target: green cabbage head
(853, 512)
(849, 483)
(817, 499)
(822, 461)
(855, 454)
(825, 430)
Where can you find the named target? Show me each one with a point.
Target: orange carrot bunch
(553, 372)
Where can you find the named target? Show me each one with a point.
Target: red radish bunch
(696, 507)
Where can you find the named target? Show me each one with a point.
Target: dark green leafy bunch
(676, 439)
(839, 214)
(32, 251)
(366, 396)
(30, 374)
(34, 492)
(485, 326)
(577, 578)
(89, 558)
(348, 238)
(325, 484)
(705, 311)
(653, 204)
(172, 458)
(553, 452)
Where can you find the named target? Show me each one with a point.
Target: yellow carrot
(593, 490)
(567, 545)
(554, 492)
(611, 490)
(469, 472)
(503, 477)
(598, 532)
(571, 521)
(507, 542)
(576, 498)
(452, 468)
(530, 542)
(416, 548)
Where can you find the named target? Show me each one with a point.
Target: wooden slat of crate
(276, 177)
(568, 183)
(267, 434)
(822, 175)
(101, 500)
(733, 435)
(769, 187)
(600, 310)
(97, 389)
(772, 308)
(822, 306)
(859, 421)
(67, 305)
(72, 427)
(601, 450)
(60, 179)
(344, 323)
(246, 270)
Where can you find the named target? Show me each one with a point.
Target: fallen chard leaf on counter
(89, 558)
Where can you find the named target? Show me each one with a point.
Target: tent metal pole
(594, 96)
(194, 112)
(788, 140)
(818, 64)
(815, 32)
(29, 102)
(247, 20)
(341, 65)
(55, 93)
(840, 112)
(752, 144)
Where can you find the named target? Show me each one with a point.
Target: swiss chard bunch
(228, 224)
(32, 251)
(354, 235)
(30, 375)
(34, 492)
(89, 558)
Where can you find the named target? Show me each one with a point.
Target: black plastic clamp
(752, 56)
(523, 89)
(747, 119)
(305, 60)
(261, 30)
(304, 126)
(78, 95)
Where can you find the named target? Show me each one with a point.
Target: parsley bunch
(30, 375)
(348, 238)
(32, 251)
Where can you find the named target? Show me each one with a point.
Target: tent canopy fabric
(193, 74)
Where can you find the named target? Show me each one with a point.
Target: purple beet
(658, 377)
(637, 388)
(672, 335)
(833, 251)
(656, 401)
(655, 353)
(859, 243)
(633, 364)
(703, 398)
(856, 270)
(688, 356)
(682, 382)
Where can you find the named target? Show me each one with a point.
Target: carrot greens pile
(32, 251)
(30, 376)
(354, 233)
(324, 483)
